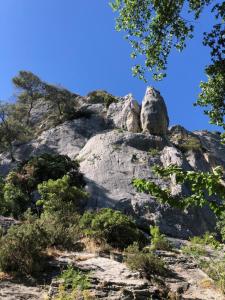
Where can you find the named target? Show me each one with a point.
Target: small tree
(21, 249)
(61, 99)
(111, 226)
(57, 194)
(11, 130)
(31, 89)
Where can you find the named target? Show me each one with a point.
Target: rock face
(154, 117)
(125, 114)
(112, 159)
(112, 151)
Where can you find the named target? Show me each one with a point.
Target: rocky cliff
(125, 140)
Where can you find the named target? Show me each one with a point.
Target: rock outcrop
(154, 117)
(112, 151)
(112, 279)
(125, 114)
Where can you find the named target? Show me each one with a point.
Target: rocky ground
(111, 279)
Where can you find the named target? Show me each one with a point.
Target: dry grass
(94, 246)
(5, 276)
(54, 252)
(206, 283)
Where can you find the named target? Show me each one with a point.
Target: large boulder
(154, 117)
(67, 138)
(125, 114)
(109, 162)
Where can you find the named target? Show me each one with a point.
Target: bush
(75, 285)
(21, 249)
(147, 263)
(194, 249)
(221, 225)
(153, 152)
(112, 227)
(17, 190)
(57, 194)
(216, 271)
(158, 240)
(75, 294)
(184, 139)
(214, 267)
(198, 245)
(101, 97)
(15, 201)
(74, 278)
(62, 228)
(50, 166)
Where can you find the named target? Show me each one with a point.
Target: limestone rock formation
(110, 160)
(125, 114)
(154, 117)
(110, 157)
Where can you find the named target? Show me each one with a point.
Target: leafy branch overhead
(203, 186)
(154, 28)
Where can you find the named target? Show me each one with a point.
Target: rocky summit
(115, 144)
(114, 140)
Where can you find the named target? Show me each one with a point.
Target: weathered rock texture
(125, 114)
(111, 160)
(111, 279)
(154, 117)
(111, 157)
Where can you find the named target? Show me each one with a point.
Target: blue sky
(73, 42)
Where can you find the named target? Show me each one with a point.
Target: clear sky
(73, 42)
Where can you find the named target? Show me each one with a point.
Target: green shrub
(153, 152)
(16, 191)
(147, 263)
(75, 285)
(49, 166)
(55, 194)
(62, 228)
(190, 143)
(194, 249)
(215, 270)
(198, 245)
(21, 249)
(75, 294)
(159, 240)
(221, 225)
(112, 227)
(15, 201)
(74, 278)
(184, 140)
(100, 96)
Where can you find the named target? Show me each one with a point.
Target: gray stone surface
(111, 158)
(109, 164)
(125, 114)
(111, 279)
(154, 117)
